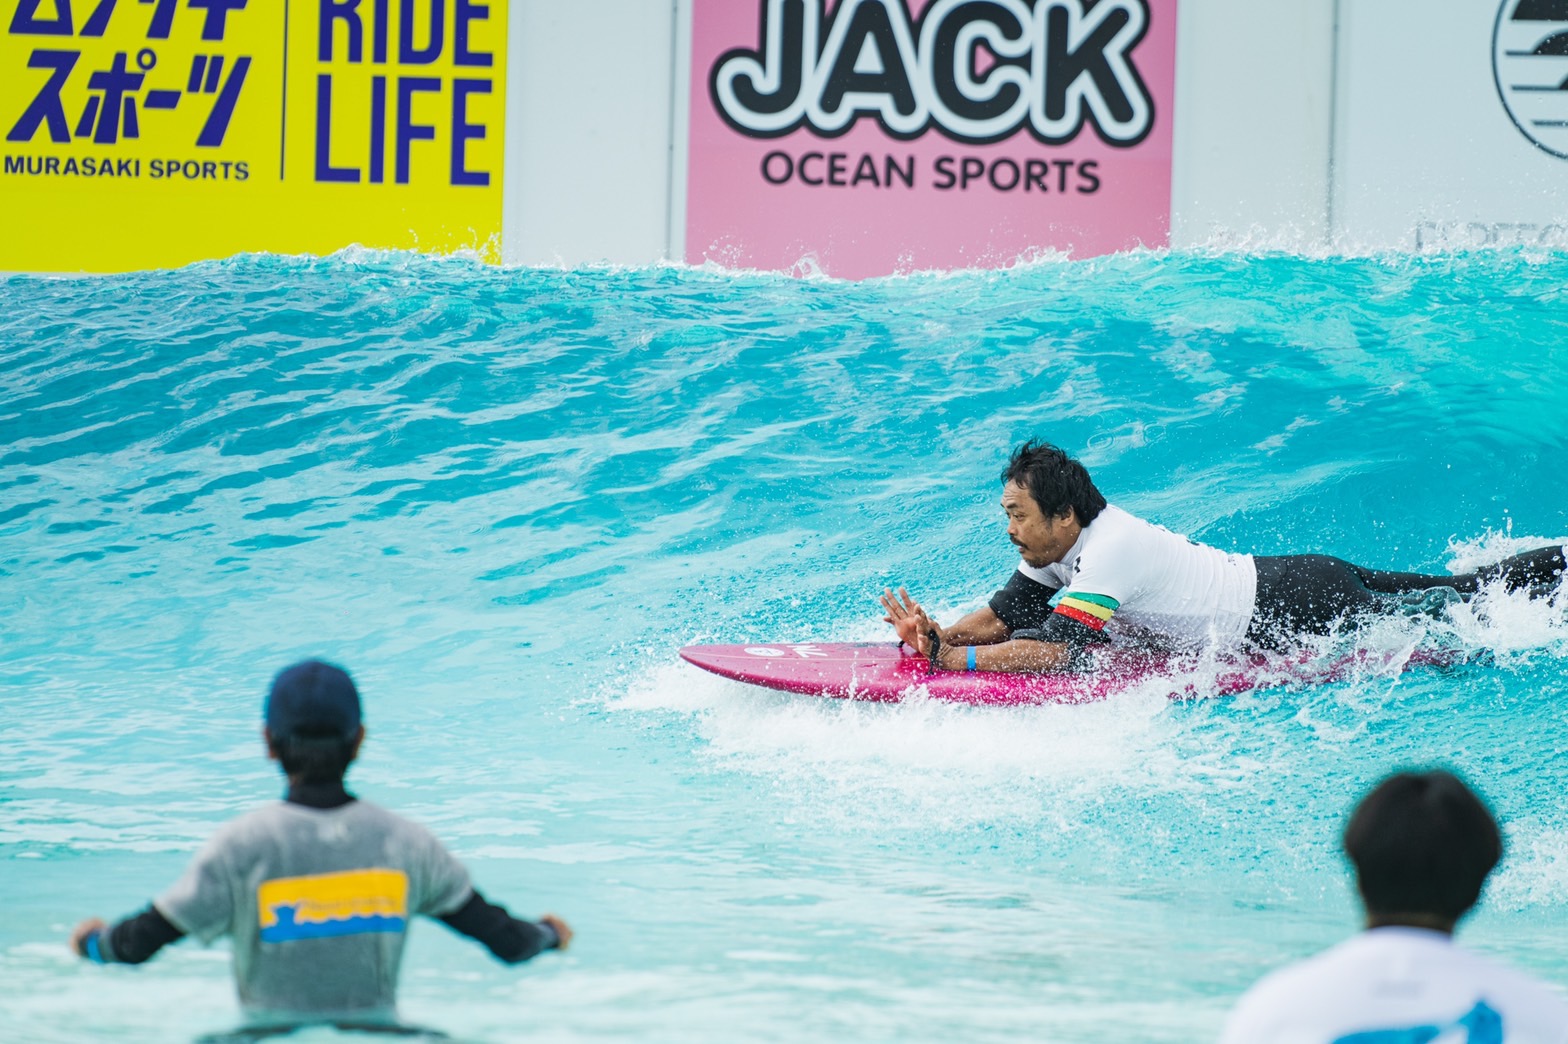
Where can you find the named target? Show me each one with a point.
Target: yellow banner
(153, 133)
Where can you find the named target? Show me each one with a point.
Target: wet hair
(1422, 843)
(1055, 481)
(314, 757)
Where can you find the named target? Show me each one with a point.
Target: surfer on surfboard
(1090, 570)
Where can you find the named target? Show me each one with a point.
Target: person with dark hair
(1422, 845)
(1091, 571)
(317, 890)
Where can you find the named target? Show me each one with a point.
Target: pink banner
(867, 137)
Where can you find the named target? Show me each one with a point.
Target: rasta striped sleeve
(1091, 610)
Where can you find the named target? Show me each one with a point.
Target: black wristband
(936, 648)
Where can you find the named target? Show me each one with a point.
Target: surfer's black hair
(1422, 844)
(1055, 481)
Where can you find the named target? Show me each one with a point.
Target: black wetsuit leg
(1307, 594)
(1532, 571)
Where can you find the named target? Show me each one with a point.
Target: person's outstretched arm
(131, 941)
(510, 938)
(981, 627)
(1023, 604)
(1027, 653)
(1018, 656)
(979, 642)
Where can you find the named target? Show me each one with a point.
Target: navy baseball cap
(312, 697)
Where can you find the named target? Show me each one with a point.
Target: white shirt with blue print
(1398, 986)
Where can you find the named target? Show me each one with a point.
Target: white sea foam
(925, 762)
(1534, 870)
(945, 764)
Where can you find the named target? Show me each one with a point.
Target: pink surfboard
(887, 672)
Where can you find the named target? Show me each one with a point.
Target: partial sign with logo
(1530, 64)
(866, 137)
(151, 134)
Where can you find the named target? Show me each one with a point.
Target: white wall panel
(589, 131)
(1427, 155)
(1253, 110)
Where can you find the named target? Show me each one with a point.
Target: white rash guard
(1394, 986)
(1125, 571)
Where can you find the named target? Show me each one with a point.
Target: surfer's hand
(927, 633)
(83, 930)
(563, 934)
(906, 616)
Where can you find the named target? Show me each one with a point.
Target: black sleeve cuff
(137, 938)
(1024, 604)
(1058, 628)
(509, 938)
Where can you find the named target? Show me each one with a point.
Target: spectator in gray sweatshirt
(317, 890)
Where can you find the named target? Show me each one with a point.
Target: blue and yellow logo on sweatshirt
(324, 905)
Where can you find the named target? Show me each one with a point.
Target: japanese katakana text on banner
(152, 133)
